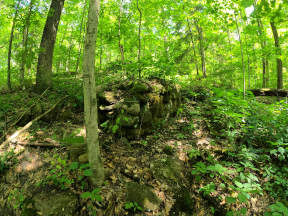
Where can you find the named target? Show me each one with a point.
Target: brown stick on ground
(6, 132)
(17, 133)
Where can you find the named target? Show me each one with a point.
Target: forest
(143, 107)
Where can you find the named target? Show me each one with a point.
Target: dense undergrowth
(249, 140)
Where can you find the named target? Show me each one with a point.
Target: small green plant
(277, 209)
(131, 205)
(17, 196)
(181, 136)
(242, 198)
(94, 195)
(193, 153)
(213, 210)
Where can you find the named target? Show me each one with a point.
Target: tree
(80, 37)
(10, 48)
(24, 52)
(45, 59)
(139, 54)
(278, 52)
(90, 100)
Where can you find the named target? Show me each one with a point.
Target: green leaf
(96, 191)
(242, 198)
(198, 178)
(229, 213)
(243, 211)
(222, 185)
(87, 172)
(281, 150)
(73, 165)
(239, 184)
(115, 127)
(85, 195)
(231, 199)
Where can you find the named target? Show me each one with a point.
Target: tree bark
(279, 61)
(10, 48)
(243, 67)
(231, 66)
(139, 55)
(25, 39)
(195, 57)
(90, 100)
(45, 59)
(121, 48)
(201, 41)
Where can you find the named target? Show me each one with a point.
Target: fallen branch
(48, 144)
(17, 133)
(270, 92)
(6, 132)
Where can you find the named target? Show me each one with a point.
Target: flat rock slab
(143, 195)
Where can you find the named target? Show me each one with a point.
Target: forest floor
(190, 139)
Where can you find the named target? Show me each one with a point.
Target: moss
(28, 211)
(139, 88)
(168, 150)
(143, 195)
(184, 203)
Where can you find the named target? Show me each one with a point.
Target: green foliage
(277, 209)
(94, 195)
(16, 196)
(131, 205)
(4, 158)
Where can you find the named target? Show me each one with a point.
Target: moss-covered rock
(168, 150)
(145, 114)
(143, 195)
(64, 203)
(184, 203)
(66, 115)
(170, 168)
(130, 108)
(128, 121)
(36, 110)
(138, 88)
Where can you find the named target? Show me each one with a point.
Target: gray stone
(170, 168)
(143, 195)
(63, 203)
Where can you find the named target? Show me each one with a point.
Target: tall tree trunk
(80, 38)
(139, 55)
(248, 72)
(24, 52)
(263, 44)
(69, 53)
(90, 100)
(279, 61)
(267, 73)
(101, 48)
(165, 36)
(45, 59)
(10, 48)
(195, 57)
(121, 48)
(231, 66)
(243, 67)
(201, 42)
